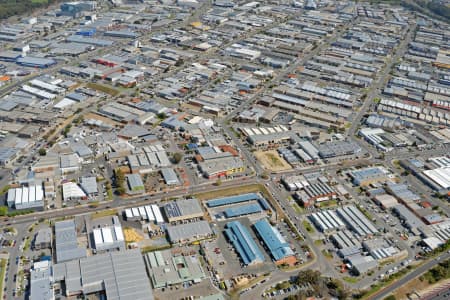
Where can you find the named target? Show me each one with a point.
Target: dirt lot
(272, 161)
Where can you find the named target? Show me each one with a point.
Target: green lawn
(308, 226)
(2, 275)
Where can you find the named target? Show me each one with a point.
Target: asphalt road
(405, 279)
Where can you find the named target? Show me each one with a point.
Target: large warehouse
(279, 249)
(109, 237)
(26, 197)
(189, 232)
(183, 210)
(66, 243)
(166, 268)
(243, 242)
(121, 275)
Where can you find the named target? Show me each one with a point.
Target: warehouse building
(410, 220)
(166, 268)
(109, 238)
(169, 176)
(280, 250)
(89, 185)
(243, 242)
(150, 213)
(43, 239)
(361, 264)
(355, 220)
(221, 167)
(26, 197)
(66, 244)
(327, 221)
(242, 210)
(35, 62)
(185, 209)
(238, 199)
(367, 176)
(41, 281)
(72, 192)
(189, 232)
(120, 275)
(135, 183)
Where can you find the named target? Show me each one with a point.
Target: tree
(218, 182)
(161, 116)
(390, 297)
(308, 276)
(177, 157)
(42, 152)
(3, 210)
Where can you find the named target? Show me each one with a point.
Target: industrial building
(356, 221)
(167, 268)
(243, 242)
(170, 177)
(66, 244)
(135, 183)
(327, 220)
(72, 192)
(242, 210)
(41, 281)
(120, 275)
(26, 197)
(109, 238)
(221, 167)
(238, 199)
(89, 185)
(43, 239)
(361, 264)
(184, 209)
(189, 232)
(280, 250)
(367, 176)
(35, 62)
(150, 213)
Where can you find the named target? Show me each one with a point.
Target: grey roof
(7, 153)
(69, 161)
(170, 177)
(40, 284)
(135, 181)
(66, 242)
(188, 231)
(89, 185)
(183, 208)
(44, 235)
(120, 274)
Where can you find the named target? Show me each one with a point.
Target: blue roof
(242, 210)
(232, 199)
(273, 240)
(243, 243)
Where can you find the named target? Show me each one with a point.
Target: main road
(410, 276)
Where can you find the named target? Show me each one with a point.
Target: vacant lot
(272, 161)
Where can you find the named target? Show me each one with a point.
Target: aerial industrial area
(219, 149)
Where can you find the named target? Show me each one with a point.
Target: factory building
(243, 242)
(189, 232)
(238, 199)
(166, 268)
(43, 239)
(280, 251)
(119, 275)
(26, 197)
(367, 176)
(41, 281)
(66, 244)
(185, 209)
(109, 238)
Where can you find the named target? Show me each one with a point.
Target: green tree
(390, 297)
(42, 152)
(3, 210)
(177, 157)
